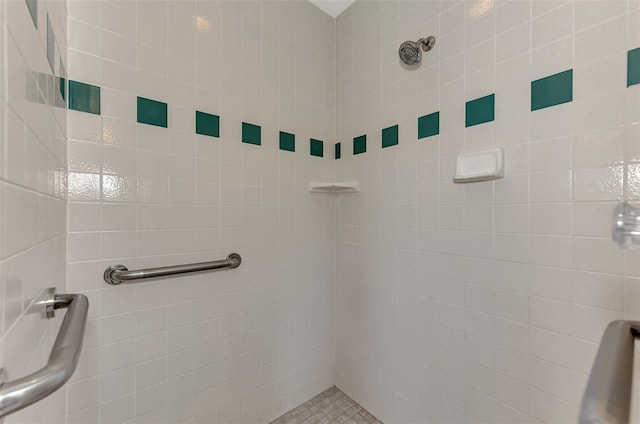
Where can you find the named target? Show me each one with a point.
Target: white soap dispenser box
(480, 166)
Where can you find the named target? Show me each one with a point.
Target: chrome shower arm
(427, 43)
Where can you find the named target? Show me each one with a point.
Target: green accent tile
(62, 81)
(390, 136)
(552, 90)
(32, 5)
(633, 67)
(84, 97)
(360, 144)
(251, 133)
(207, 124)
(429, 125)
(316, 147)
(287, 141)
(152, 112)
(480, 110)
(51, 44)
(337, 150)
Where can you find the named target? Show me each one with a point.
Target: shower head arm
(426, 43)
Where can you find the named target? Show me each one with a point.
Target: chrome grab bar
(117, 274)
(607, 397)
(65, 353)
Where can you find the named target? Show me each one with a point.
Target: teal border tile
(552, 90)
(152, 112)
(84, 97)
(337, 150)
(633, 67)
(390, 136)
(316, 147)
(287, 141)
(360, 144)
(480, 111)
(62, 82)
(207, 124)
(429, 125)
(251, 134)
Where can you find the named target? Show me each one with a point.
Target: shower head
(410, 52)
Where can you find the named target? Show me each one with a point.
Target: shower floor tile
(329, 407)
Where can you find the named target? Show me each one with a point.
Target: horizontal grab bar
(65, 353)
(117, 274)
(607, 397)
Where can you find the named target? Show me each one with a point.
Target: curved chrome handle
(63, 359)
(117, 274)
(607, 397)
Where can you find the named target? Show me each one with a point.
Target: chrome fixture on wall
(626, 226)
(410, 52)
(117, 274)
(63, 359)
(607, 397)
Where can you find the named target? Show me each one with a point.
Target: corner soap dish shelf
(341, 187)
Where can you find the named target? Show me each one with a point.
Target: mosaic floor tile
(329, 407)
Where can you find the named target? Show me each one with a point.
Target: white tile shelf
(341, 187)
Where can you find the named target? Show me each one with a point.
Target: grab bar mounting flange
(108, 274)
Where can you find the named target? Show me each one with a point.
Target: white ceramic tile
(85, 37)
(83, 394)
(552, 218)
(551, 314)
(551, 155)
(552, 186)
(588, 39)
(513, 42)
(598, 183)
(118, 410)
(552, 26)
(599, 290)
(512, 13)
(597, 254)
(592, 219)
(552, 58)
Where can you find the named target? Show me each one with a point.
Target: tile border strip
(548, 91)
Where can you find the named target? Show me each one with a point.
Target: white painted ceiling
(332, 7)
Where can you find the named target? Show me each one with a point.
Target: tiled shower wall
(482, 302)
(241, 345)
(33, 160)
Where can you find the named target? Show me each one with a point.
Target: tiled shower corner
(136, 132)
(332, 406)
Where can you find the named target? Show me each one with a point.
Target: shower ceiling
(332, 7)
